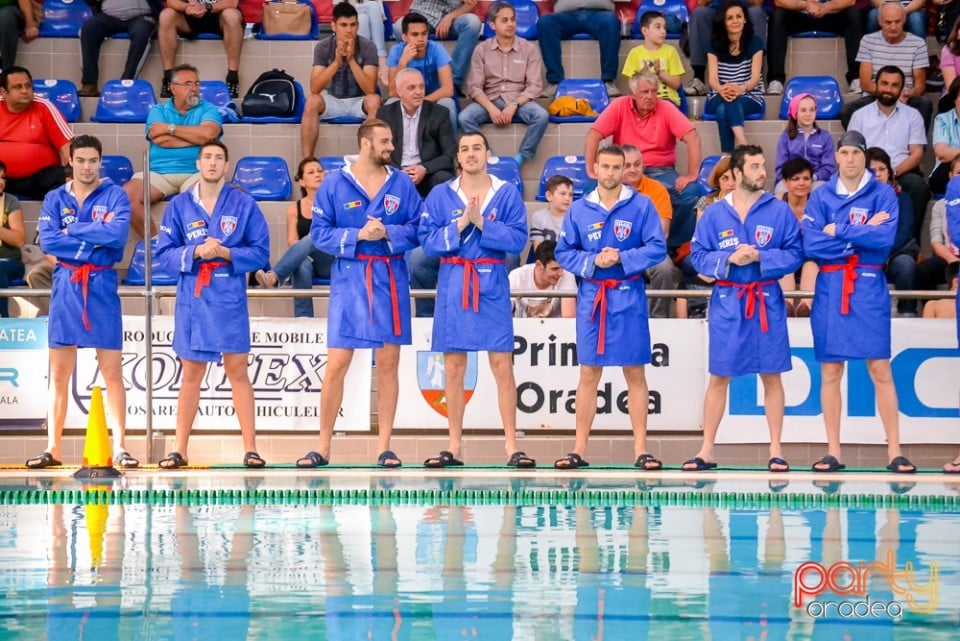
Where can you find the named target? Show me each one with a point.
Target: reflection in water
(446, 573)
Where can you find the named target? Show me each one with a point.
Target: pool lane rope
(467, 497)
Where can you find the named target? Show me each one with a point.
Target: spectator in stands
(798, 182)
(734, 63)
(12, 237)
(893, 47)
(654, 126)
(797, 16)
(654, 55)
(915, 14)
(371, 15)
(665, 275)
(802, 138)
(189, 19)
(901, 267)
(546, 274)
(417, 51)
(945, 308)
(423, 143)
(701, 28)
(946, 138)
(136, 18)
(932, 270)
(451, 18)
(34, 137)
(898, 129)
(545, 224)
(949, 64)
(302, 262)
(39, 274)
(175, 128)
(343, 80)
(570, 17)
(17, 21)
(504, 82)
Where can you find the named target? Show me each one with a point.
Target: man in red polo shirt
(34, 137)
(654, 126)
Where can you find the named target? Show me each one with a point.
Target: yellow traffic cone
(97, 457)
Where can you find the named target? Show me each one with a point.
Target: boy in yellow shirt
(660, 58)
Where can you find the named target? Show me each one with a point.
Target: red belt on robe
(471, 277)
(394, 299)
(205, 274)
(850, 276)
(600, 301)
(81, 274)
(754, 293)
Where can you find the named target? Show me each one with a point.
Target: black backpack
(272, 94)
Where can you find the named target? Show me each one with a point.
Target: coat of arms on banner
(228, 224)
(432, 381)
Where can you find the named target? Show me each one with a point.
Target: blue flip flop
(388, 455)
(699, 463)
(312, 459)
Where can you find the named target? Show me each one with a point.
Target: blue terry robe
(748, 297)
(953, 226)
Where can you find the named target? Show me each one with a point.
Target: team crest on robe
(390, 204)
(431, 379)
(763, 234)
(99, 212)
(858, 215)
(228, 224)
(622, 228)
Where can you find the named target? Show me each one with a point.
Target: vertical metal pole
(148, 300)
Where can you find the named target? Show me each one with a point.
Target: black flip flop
(520, 460)
(125, 460)
(901, 461)
(776, 460)
(386, 456)
(312, 459)
(253, 460)
(699, 463)
(833, 465)
(173, 460)
(571, 461)
(644, 462)
(443, 459)
(44, 460)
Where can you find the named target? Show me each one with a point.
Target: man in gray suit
(423, 143)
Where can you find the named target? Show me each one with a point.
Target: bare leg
(235, 366)
(188, 402)
(168, 25)
(111, 368)
(638, 400)
(832, 404)
(63, 360)
(586, 407)
(338, 362)
(231, 23)
(455, 368)
(714, 403)
(882, 377)
(388, 389)
(310, 124)
(501, 363)
(773, 407)
(134, 189)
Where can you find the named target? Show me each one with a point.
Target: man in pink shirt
(654, 126)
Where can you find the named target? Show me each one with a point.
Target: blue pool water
(471, 564)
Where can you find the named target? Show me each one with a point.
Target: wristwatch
(171, 128)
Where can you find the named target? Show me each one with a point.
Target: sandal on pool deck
(172, 461)
(253, 460)
(831, 463)
(44, 460)
(443, 459)
(520, 460)
(125, 460)
(776, 460)
(899, 462)
(699, 465)
(953, 467)
(312, 459)
(570, 462)
(388, 459)
(648, 462)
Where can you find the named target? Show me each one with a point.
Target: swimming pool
(525, 557)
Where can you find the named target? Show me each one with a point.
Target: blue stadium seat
(125, 101)
(570, 166)
(136, 274)
(297, 110)
(593, 90)
(119, 169)
(675, 11)
(331, 163)
(709, 115)
(63, 18)
(314, 29)
(506, 169)
(816, 34)
(62, 93)
(527, 16)
(706, 168)
(342, 120)
(263, 177)
(215, 92)
(825, 89)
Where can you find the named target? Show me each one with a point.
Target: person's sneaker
(165, 89)
(612, 89)
(855, 86)
(775, 88)
(695, 88)
(88, 91)
(548, 91)
(265, 279)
